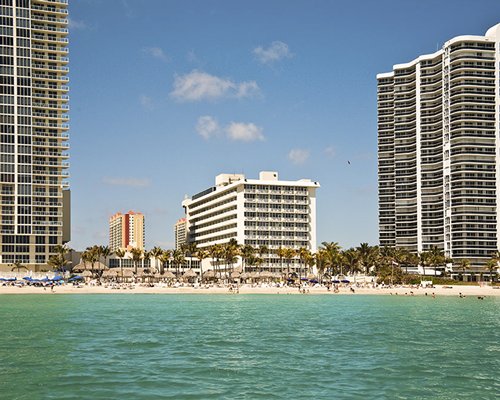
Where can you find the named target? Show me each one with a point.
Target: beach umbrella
(345, 281)
(311, 276)
(190, 274)
(266, 274)
(238, 269)
(127, 273)
(209, 274)
(57, 278)
(235, 275)
(255, 275)
(245, 275)
(335, 281)
(75, 278)
(86, 274)
(169, 275)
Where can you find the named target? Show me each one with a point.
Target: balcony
(50, 58)
(48, 28)
(50, 86)
(49, 9)
(52, 77)
(56, 49)
(45, 18)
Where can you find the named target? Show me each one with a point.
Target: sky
(167, 94)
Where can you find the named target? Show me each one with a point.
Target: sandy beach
(247, 289)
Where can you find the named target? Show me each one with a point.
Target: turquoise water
(248, 347)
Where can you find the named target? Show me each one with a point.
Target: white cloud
(275, 52)
(330, 151)
(146, 101)
(131, 182)
(198, 85)
(298, 156)
(156, 52)
(207, 127)
(76, 25)
(245, 132)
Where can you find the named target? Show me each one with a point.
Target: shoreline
(487, 291)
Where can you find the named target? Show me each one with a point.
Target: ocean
(128, 346)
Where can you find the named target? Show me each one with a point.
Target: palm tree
(91, 255)
(367, 255)
(263, 251)
(304, 255)
(202, 254)
(247, 251)
(177, 259)
(136, 256)
(156, 252)
(230, 251)
(333, 256)
(165, 257)
(437, 258)
(18, 266)
(352, 259)
(120, 253)
(189, 250)
(280, 252)
(424, 260)
(320, 257)
(145, 257)
(288, 254)
(105, 252)
(58, 260)
(491, 265)
(463, 265)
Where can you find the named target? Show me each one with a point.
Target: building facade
(34, 195)
(438, 150)
(127, 231)
(258, 212)
(180, 233)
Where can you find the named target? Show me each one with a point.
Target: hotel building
(438, 150)
(127, 231)
(34, 195)
(180, 233)
(259, 212)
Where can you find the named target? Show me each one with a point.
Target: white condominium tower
(438, 150)
(34, 204)
(258, 212)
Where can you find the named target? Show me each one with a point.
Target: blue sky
(167, 94)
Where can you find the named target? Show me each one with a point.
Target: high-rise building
(127, 231)
(264, 212)
(180, 233)
(34, 200)
(438, 150)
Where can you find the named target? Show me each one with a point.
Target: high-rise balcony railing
(46, 77)
(49, 57)
(46, 18)
(51, 9)
(51, 48)
(43, 38)
(48, 28)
